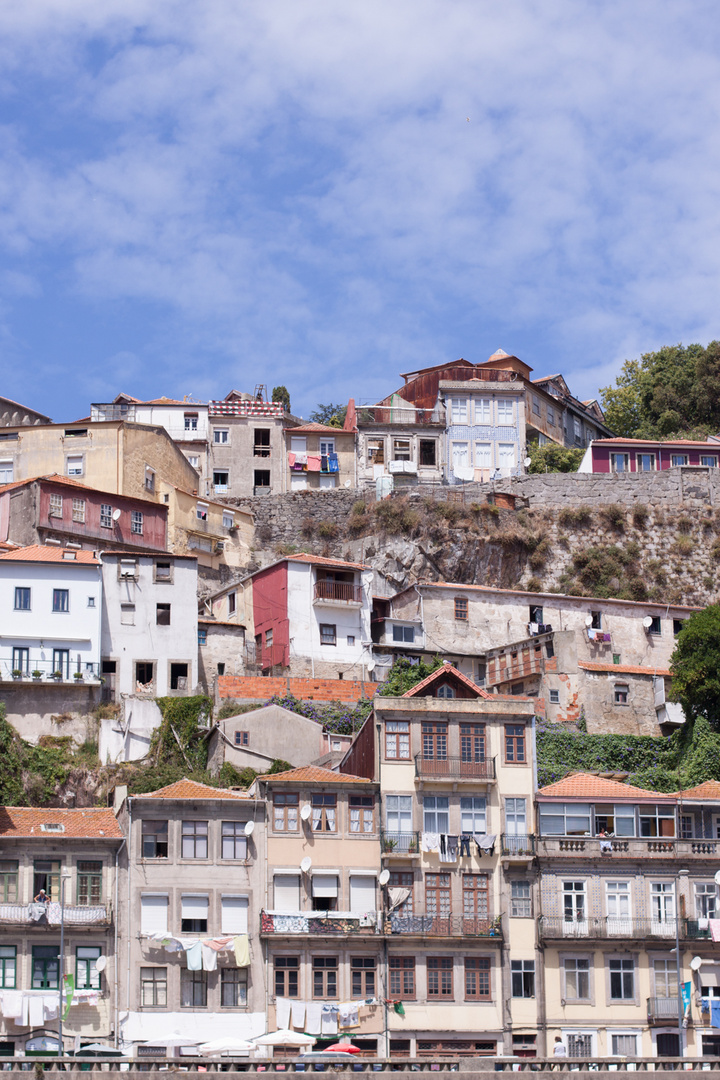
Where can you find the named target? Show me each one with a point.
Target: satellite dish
(696, 963)
(249, 828)
(588, 620)
(717, 878)
(101, 963)
(371, 666)
(528, 462)
(306, 864)
(116, 515)
(306, 811)
(647, 622)
(384, 877)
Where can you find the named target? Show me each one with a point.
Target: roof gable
(444, 674)
(582, 785)
(191, 789)
(314, 774)
(710, 789)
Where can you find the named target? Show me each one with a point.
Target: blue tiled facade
(475, 437)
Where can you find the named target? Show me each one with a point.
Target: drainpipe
(115, 918)
(127, 905)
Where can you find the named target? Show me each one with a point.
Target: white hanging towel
(209, 958)
(298, 1014)
(314, 1018)
(282, 1013)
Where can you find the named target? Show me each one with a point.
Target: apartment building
(626, 917)
(455, 770)
(186, 422)
(399, 440)
(322, 919)
(192, 890)
(247, 446)
(72, 855)
(320, 458)
(485, 428)
(217, 534)
(149, 624)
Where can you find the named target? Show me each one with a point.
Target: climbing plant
(181, 739)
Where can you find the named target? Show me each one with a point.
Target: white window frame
(483, 411)
(614, 461)
(71, 465)
(647, 454)
(709, 461)
(678, 459)
(218, 439)
(459, 410)
(620, 1033)
(483, 455)
(327, 447)
(505, 413)
(7, 471)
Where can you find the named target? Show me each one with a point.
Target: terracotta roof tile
(314, 774)
(443, 672)
(310, 428)
(45, 554)
(191, 789)
(317, 560)
(582, 785)
(622, 669)
(710, 789)
(68, 481)
(24, 821)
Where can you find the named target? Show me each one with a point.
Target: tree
(282, 395)
(695, 666)
(333, 415)
(553, 458)
(403, 675)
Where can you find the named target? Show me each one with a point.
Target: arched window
(445, 690)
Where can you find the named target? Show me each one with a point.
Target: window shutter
(153, 914)
(287, 892)
(234, 915)
(362, 893)
(194, 907)
(324, 885)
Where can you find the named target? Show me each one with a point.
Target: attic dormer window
(445, 690)
(53, 826)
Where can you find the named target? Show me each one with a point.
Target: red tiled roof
(67, 481)
(6, 546)
(442, 673)
(45, 554)
(24, 821)
(710, 789)
(315, 774)
(311, 428)
(622, 669)
(191, 789)
(317, 560)
(582, 785)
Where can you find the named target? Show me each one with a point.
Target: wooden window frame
(438, 969)
(515, 744)
(402, 977)
(478, 978)
(461, 608)
(281, 807)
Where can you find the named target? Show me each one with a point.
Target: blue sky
(200, 196)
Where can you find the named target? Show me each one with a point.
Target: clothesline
(32, 1008)
(202, 954)
(320, 1018)
(451, 846)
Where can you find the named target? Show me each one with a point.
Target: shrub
(449, 511)
(613, 516)
(684, 525)
(640, 515)
(684, 545)
(715, 550)
(396, 516)
(534, 585)
(328, 530)
(307, 527)
(359, 508)
(580, 517)
(229, 776)
(234, 708)
(537, 560)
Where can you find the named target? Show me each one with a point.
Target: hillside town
(404, 882)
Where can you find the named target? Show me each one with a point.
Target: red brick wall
(249, 686)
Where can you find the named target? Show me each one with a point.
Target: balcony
(418, 924)
(399, 844)
(320, 923)
(453, 768)
(344, 593)
(517, 848)
(662, 1010)
(631, 847)
(603, 927)
(47, 671)
(404, 415)
(44, 915)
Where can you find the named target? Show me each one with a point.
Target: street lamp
(61, 961)
(681, 874)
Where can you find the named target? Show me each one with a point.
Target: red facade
(663, 455)
(77, 511)
(270, 615)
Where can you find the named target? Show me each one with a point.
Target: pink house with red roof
(648, 455)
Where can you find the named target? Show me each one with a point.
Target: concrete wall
(272, 732)
(237, 455)
(224, 645)
(49, 708)
(127, 737)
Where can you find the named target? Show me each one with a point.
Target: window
(228, 520)
(328, 634)
(646, 463)
(477, 978)
(624, 1045)
(436, 814)
(162, 614)
(194, 914)
(261, 478)
(61, 600)
(136, 522)
(74, 465)
(403, 879)
(6, 472)
(398, 814)
(242, 738)
(56, 506)
(580, 1044)
(144, 674)
(402, 977)
(89, 884)
(268, 639)
(460, 456)
(149, 479)
(577, 979)
(404, 633)
(154, 913)
(8, 967)
(677, 626)
(324, 976)
(21, 659)
(127, 614)
(506, 456)
(461, 608)
(536, 405)
(221, 435)
(234, 914)
(505, 412)
(234, 840)
(287, 969)
(483, 414)
(557, 819)
(678, 459)
(622, 693)
(536, 614)
(655, 626)
(440, 976)
(351, 639)
(221, 480)
(324, 808)
(665, 978)
(154, 839)
(363, 976)
(459, 411)
(233, 987)
(397, 739)
(657, 821)
(619, 463)
(194, 839)
(472, 742)
(515, 743)
(520, 900)
(705, 899)
(428, 452)
(45, 967)
(551, 416)
(375, 451)
(202, 636)
(554, 697)
(434, 741)
(327, 446)
(22, 599)
(523, 978)
(8, 881)
(362, 813)
(285, 811)
(445, 690)
(193, 462)
(402, 450)
(437, 895)
(221, 668)
(483, 455)
(191, 421)
(261, 442)
(577, 428)
(622, 980)
(153, 987)
(686, 827)
(87, 976)
(193, 989)
(472, 814)
(709, 461)
(232, 603)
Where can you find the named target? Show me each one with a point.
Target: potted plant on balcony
(412, 847)
(78, 676)
(57, 676)
(389, 845)
(17, 673)
(37, 675)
